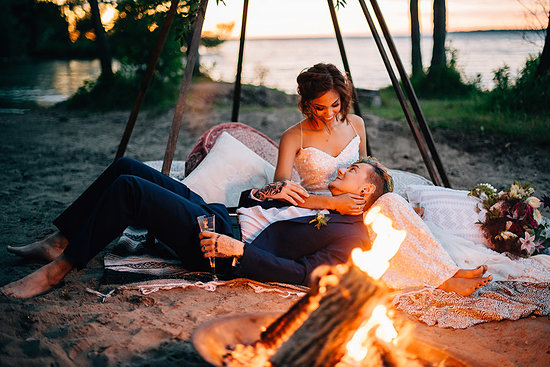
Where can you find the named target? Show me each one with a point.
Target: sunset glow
(310, 18)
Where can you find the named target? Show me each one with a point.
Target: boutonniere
(320, 220)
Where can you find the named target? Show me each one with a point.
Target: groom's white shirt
(255, 219)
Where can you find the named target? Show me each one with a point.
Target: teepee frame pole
(400, 96)
(237, 90)
(163, 34)
(410, 93)
(342, 49)
(184, 87)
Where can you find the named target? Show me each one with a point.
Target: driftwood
(346, 301)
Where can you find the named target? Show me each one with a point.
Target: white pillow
(452, 210)
(177, 170)
(402, 179)
(228, 169)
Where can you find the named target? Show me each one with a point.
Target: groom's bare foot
(464, 286)
(471, 273)
(39, 281)
(47, 249)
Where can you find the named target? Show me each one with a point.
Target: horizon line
(321, 36)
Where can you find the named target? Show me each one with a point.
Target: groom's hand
(219, 245)
(287, 190)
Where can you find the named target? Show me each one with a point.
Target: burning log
(321, 340)
(314, 331)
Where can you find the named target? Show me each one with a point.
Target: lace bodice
(317, 168)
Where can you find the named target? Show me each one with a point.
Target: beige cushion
(228, 169)
(402, 179)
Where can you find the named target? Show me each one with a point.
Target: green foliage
(132, 39)
(518, 109)
(15, 36)
(120, 92)
(136, 31)
(444, 82)
(52, 36)
(33, 29)
(470, 115)
(340, 3)
(526, 95)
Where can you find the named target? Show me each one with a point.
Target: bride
(328, 138)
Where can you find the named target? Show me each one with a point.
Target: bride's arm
(350, 204)
(288, 148)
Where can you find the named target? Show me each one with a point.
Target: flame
(357, 348)
(376, 261)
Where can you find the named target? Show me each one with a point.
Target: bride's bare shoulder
(292, 132)
(356, 120)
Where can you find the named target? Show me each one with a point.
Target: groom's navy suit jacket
(288, 251)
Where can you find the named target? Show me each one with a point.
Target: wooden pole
(147, 78)
(400, 96)
(184, 87)
(410, 93)
(237, 90)
(340, 41)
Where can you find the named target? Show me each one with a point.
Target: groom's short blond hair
(379, 176)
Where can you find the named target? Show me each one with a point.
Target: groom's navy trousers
(130, 193)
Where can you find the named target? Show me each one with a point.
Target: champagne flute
(207, 223)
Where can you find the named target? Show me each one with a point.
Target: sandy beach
(48, 157)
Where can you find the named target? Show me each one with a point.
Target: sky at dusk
(306, 18)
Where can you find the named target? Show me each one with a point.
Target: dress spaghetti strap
(353, 127)
(301, 139)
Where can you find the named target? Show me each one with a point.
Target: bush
(444, 82)
(527, 94)
(120, 91)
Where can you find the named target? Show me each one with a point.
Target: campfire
(343, 320)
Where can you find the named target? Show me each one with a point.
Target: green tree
(416, 53)
(544, 62)
(439, 34)
(31, 28)
(103, 48)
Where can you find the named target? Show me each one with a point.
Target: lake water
(276, 62)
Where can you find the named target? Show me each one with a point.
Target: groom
(280, 244)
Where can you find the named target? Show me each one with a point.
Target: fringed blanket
(496, 301)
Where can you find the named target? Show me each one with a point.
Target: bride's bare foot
(39, 281)
(464, 286)
(47, 249)
(471, 273)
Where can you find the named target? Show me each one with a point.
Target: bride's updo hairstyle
(315, 81)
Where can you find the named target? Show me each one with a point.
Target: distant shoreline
(324, 37)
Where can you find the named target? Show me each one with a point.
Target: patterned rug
(499, 300)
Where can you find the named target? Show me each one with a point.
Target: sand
(47, 157)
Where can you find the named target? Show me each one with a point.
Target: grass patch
(470, 115)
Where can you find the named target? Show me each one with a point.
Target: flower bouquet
(513, 222)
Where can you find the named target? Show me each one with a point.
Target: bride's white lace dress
(317, 168)
(428, 256)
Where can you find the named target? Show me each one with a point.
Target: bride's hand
(287, 190)
(348, 204)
